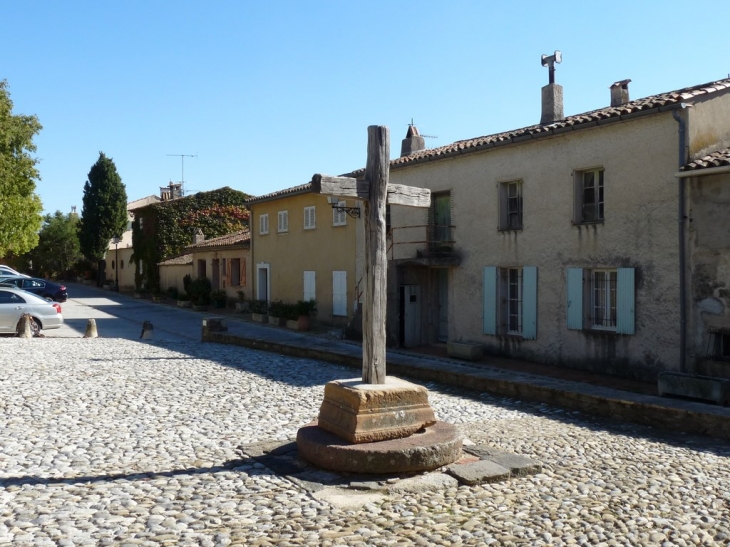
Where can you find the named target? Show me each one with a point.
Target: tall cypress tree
(104, 213)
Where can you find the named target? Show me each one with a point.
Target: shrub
(259, 306)
(187, 280)
(199, 290)
(306, 307)
(172, 292)
(218, 296)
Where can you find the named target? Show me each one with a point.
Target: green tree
(20, 206)
(58, 245)
(104, 212)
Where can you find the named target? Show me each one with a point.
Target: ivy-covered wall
(162, 230)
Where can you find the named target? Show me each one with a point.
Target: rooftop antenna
(422, 135)
(182, 161)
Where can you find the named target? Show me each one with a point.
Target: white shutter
(339, 293)
(310, 292)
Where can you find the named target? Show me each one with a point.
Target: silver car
(15, 302)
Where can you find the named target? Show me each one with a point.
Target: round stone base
(437, 445)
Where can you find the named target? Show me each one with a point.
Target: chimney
(198, 236)
(413, 142)
(620, 93)
(552, 94)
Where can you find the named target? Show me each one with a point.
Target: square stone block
(464, 350)
(362, 413)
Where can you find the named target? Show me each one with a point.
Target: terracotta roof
(301, 189)
(242, 237)
(631, 109)
(716, 159)
(181, 260)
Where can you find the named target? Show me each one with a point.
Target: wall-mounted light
(354, 212)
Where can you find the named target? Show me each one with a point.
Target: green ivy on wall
(167, 228)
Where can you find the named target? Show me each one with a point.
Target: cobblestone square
(116, 442)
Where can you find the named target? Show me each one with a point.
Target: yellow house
(302, 248)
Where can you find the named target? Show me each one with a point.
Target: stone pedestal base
(363, 413)
(438, 445)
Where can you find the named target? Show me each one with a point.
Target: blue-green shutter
(529, 302)
(625, 301)
(575, 298)
(490, 300)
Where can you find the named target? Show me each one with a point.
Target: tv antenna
(182, 167)
(421, 134)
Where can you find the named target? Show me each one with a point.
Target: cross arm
(398, 194)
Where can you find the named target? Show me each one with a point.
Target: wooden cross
(374, 191)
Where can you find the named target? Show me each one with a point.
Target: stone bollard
(24, 326)
(91, 329)
(148, 330)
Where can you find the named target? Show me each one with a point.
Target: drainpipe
(682, 288)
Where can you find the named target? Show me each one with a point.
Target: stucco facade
(225, 261)
(596, 292)
(708, 264)
(302, 249)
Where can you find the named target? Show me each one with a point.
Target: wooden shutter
(490, 300)
(309, 286)
(575, 298)
(242, 278)
(339, 293)
(625, 301)
(529, 302)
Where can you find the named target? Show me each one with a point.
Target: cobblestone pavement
(115, 442)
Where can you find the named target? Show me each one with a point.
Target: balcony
(430, 245)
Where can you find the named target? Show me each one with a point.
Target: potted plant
(183, 301)
(172, 292)
(277, 313)
(158, 297)
(306, 310)
(218, 298)
(259, 310)
(241, 305)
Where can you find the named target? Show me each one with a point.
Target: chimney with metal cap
(620, 93)
(552, 94)
(413, 142)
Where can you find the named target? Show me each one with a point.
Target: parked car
(15, 302)
(8, 271)
(41, 287)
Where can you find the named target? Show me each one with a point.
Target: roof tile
(716, 159)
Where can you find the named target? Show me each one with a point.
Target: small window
(121, 264)
(601, 299)
(113, 264)
(510, 301)
(309, 218)
(282, 224)
(141, 224)
(510, 205)
(264, 224)
(719, 345)
(339, 216)
(588, 196)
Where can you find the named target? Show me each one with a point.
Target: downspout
(682, 287)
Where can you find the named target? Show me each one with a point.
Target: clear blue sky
(268, 93)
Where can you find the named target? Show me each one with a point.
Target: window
(510, 205)
(225, 273)
(121, 264)
(282, 221)
(263, 224)
(310, 292)
(7, 297)
(588, 196)
(718, 347)
(339, 293)
(339, 216)
(141, 223)
(510, 301)
(601, 299)
(113, 264)
(309, 218)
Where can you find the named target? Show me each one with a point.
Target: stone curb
(670, 414)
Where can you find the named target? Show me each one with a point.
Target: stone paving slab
(479, 472)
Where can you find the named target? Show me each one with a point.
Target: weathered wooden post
(375, 292)
(375, 415)
(375, 191)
